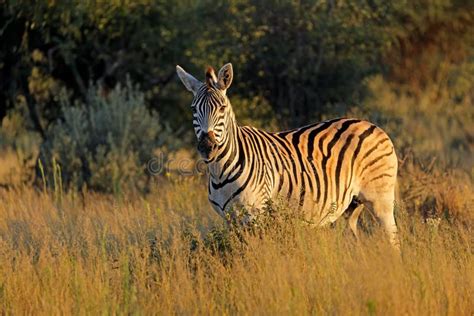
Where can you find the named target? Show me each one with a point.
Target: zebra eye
(194, 109)
(222, 109)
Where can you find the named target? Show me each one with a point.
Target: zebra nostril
(207, 143)
(212, 136)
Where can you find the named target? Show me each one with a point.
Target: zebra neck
(229, 156)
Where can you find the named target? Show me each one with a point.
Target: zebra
(326, 167)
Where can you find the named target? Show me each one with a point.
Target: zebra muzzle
(207, 145)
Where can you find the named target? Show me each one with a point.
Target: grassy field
(168, 253)
(95, 217)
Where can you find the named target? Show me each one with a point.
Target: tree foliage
(302, 58)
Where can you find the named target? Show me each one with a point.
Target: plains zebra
(325, 167)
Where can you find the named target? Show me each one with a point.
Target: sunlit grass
(169, 253)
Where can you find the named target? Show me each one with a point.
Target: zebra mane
(211, 78)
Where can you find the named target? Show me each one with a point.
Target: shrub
(439, 123)
(435, 194)
(103, 144)
(20, 144)
(254, 111)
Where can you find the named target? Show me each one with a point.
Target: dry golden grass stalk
(169, 254)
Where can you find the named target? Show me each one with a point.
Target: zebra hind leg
(388, 221)
(382, 204)
(383, 208)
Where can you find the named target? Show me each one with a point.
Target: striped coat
(323, 168)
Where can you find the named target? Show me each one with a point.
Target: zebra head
(212, 112)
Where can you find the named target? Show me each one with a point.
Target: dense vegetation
(103, 144)
(89, 96)
(297, 58)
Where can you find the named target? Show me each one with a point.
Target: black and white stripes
(323, 168)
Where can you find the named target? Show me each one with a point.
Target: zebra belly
(310, 208)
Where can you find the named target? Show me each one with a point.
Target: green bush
(103, 144)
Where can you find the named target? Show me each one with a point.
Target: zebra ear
(191, 83)
(224, 79)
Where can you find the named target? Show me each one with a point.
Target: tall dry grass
(168, 253)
